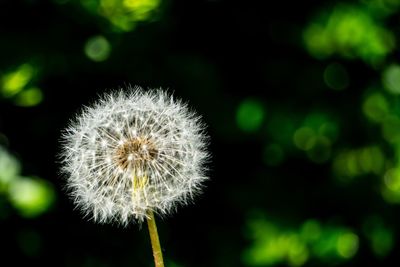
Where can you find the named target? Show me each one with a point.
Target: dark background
(247, 68)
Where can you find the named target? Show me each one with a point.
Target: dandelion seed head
(134, 152)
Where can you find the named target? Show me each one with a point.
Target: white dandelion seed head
(132, 152)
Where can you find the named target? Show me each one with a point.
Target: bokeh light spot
(123, 14)
(273, 245)
(297, 251)
(336, 76)
(14, 82)
(351, 163)
(142, 8)
(304, 138)
(29, 97)
(381, 238)
(347, 245)
(317, 41)
(371, 159)
(391, 129)
(351, 32)
(310, 230)
(322, 125)
(390, 196)
(382, 242)
(326, 246)
(329, 130)
(97, 48)
(320, 152)
(392, 179)
(315, 120)
(9, 168)
(31, 196)
(250, 115)
(391, 79)
(376, 107)
(381, 8)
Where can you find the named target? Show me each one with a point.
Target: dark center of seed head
(135, 153)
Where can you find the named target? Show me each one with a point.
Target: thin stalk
(155, 241)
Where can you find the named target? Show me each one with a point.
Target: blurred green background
(302, 100)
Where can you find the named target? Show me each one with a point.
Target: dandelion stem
(155, 241)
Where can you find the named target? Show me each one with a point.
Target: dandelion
(133, 154)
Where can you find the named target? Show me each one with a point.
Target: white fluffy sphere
(132, 152)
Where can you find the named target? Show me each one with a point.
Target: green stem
(155, 241)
